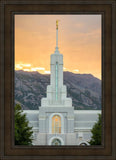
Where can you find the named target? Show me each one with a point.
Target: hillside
(84, 89)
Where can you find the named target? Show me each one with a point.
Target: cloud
(37, 69)
(33, 69)
(26, 70)
(47, 72)
(75, 70)
(26, 65)
(18, 66)
(40, 68)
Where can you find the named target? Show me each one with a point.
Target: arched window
(56, 142)
(56, 124)
(83, 144)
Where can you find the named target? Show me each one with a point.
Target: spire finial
(57, 33)
(56, 24)
(57, 51)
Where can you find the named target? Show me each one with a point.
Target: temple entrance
(56, 142)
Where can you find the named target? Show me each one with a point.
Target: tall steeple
(56, 91)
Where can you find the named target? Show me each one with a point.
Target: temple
(56, 122)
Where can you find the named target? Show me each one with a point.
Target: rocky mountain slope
(84, 89)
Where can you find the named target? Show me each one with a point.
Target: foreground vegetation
(23, 133)
(96, 132)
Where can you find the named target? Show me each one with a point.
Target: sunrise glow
(79, 40)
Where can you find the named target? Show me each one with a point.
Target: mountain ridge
(84, 89)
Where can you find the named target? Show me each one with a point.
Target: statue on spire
(56, 24)
(57, 51)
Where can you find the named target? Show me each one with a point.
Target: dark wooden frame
(107, 8)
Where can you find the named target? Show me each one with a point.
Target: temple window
(56, 124)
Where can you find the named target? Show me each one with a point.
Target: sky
(79, 40)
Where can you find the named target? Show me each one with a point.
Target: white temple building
(56, 122)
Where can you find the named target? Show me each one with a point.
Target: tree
(96, 132)
(23, 133)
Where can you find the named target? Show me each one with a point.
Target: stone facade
(75, 131)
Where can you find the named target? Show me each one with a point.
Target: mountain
(84, 89)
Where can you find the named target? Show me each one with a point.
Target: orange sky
(79, 41)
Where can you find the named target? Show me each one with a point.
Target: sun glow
(75, 70)
(44, 70)
(79, 40)
(30, 68)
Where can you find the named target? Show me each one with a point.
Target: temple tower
(56, 114)
(56, 91)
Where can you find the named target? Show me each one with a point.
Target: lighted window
(56, 124)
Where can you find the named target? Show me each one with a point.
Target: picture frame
(107, 9)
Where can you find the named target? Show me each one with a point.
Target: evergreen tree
(23, 133)
(96, 132)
